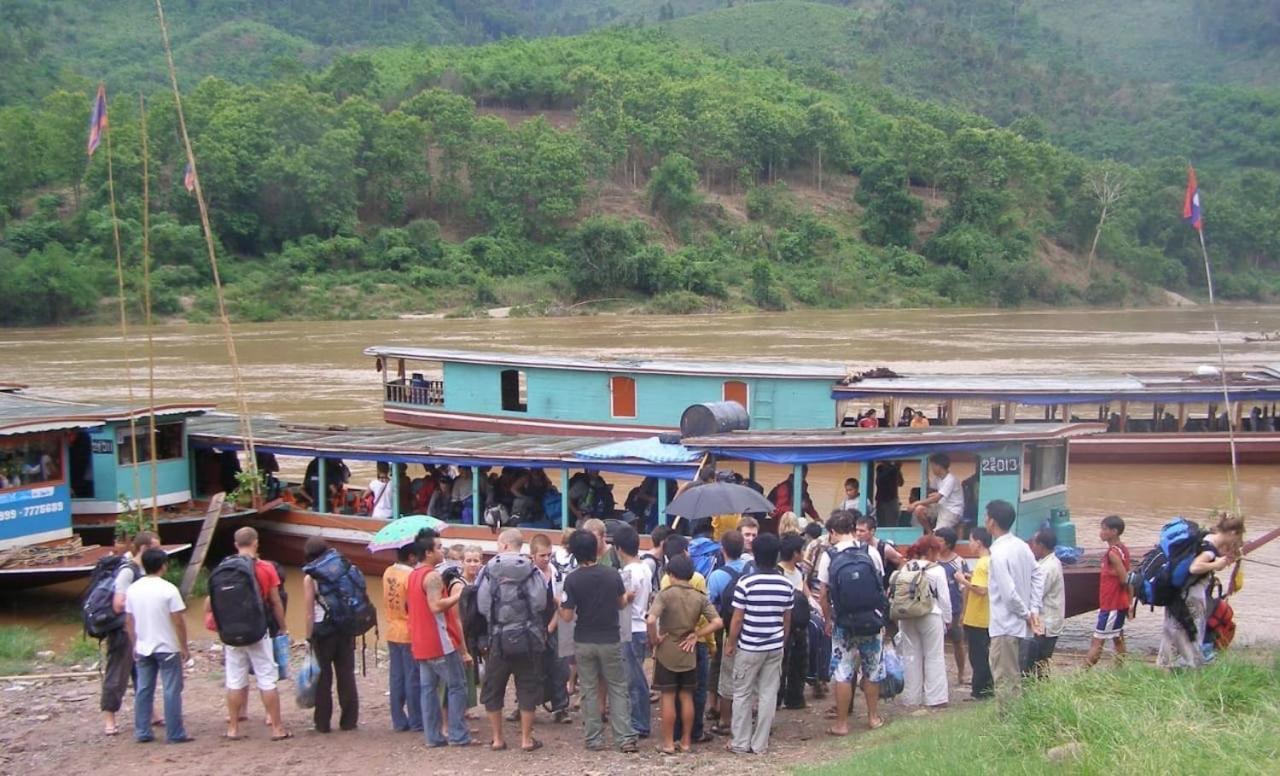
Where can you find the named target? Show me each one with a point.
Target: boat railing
(414, 391)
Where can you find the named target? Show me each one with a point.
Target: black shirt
(592, 591)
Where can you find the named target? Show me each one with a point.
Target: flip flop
(535, 746)
(875, 724)
(498, 747)
(112, 731)
(230, 737)
(834, 732)
(666, 752)
(284, 737)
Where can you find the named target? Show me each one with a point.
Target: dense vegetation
(424, 177)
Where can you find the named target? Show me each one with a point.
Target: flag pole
(146, 308)
(1222, 372)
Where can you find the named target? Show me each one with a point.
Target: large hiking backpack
(856, 590)
(704, 553)
(236, 601)
(910, 594)
(97, 607)
(515, 629)
(1165, 571)
(340, 589)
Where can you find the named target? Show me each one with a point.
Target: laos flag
(97, 119)
(1191, 201)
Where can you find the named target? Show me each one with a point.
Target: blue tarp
(649, 449)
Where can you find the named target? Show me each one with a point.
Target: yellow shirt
(722, 523)
(395, 585)
(698, 583)
(977, 609)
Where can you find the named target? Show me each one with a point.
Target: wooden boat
(52, 563)
(1158, 418)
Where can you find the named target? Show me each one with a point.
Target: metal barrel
(714, 417)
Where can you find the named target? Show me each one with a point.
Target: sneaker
(562, 717)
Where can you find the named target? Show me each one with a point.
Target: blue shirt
(719, 579)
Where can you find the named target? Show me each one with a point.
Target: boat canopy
(1256, 384)
(781, 369)
(858, 444)
(23, 414)
(402, 445)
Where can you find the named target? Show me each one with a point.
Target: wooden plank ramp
(201, 550)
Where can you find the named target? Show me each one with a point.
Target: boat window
(736, 390)
(622, 395)
(515, 392)
(1046, 466)
(168, 442)
(28, 460)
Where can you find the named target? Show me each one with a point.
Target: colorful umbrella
(398, 533)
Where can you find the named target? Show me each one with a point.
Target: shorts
(851, 655)
(1110, 624)
(263, 659)
(528, 675)
(667, 680)
(725, 688)
(942, 518)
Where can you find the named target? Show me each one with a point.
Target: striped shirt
(764, 599)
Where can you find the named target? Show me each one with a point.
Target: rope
(146, 306)
(124, 318)
(242, 405)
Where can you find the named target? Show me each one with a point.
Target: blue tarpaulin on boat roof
(804, 455)
(650, 449)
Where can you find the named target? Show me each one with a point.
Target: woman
(1183, 629)
(977, 616)
(378, 497)
(923, 659)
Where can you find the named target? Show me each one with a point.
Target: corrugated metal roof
(24, 414)
(779, 369)
(1260, 380)
(895, 437)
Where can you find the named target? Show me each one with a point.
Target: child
(852, 495)
(672, 624)
(1113, 591)
(951, 564)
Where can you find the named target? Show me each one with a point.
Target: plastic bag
(304, 690)
(280, 646)
(894, 679)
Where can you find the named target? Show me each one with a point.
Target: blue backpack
(705, 554)
(340, 588)
(1165, 571)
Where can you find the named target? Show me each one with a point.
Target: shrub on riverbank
(1135, 719)
(18, 648)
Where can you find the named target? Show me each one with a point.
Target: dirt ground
(53, 727)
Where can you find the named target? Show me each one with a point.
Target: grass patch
(1135, 719)
(174, 575)
(80, 650)
(18, 648)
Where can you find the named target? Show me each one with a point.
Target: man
(853, 654)
(865, 533)
(1009, 590)
(596, 594)
(596, 527)
(261, 655)
(119, 668)
(749, 527)
(406, 687)
(515, 592)
(335, 652)
(555, 669)
(762, 604)
(638, 582)
(944, 507)
(720, 587)
(158, 634)
(437, 646)
(1048, 602)
(888, 482)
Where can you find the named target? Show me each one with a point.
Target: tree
(891, 212)
(1107, 184)
(672, 188)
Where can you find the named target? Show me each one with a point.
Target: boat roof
(407, 445)
(859, 444)
(784, 370)
(1257, 383)
(22, 413)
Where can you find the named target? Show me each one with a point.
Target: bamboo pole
(146, 308)
(1222, 373)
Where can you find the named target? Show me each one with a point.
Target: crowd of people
(717, 630)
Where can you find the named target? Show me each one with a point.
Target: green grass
(80, 650)
(18, 648)
(1136, 719)
(174, 575)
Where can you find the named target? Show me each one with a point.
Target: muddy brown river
(315, 371)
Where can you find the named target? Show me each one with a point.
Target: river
(316, 371)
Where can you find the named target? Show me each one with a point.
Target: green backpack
(911, 595)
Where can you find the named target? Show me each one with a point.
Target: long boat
(1166, 417)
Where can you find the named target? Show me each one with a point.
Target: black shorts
(667, 680)
(528, 675)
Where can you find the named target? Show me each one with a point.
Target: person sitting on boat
(783, 500)
(944, 506)
(377, 499)
(907, 416)
(919, 420)
(527, 491)
(869, 419)
(590, 496)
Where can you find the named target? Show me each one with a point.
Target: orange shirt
(395, 585)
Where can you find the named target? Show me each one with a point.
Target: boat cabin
(510, 393)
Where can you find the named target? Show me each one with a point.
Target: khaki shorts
(725, 688)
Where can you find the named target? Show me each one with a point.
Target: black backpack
(236, 601)
(801, 612)
(856, 591)
(724, 605)
(475, 628)
(340, 589)
(97, 606)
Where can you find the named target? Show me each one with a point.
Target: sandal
(875, 724)
(836, 733)
(502, 747)
(666, 752)
(111, 731)
(284, 737)
(721, 730)
(629, 747)
(535, 746)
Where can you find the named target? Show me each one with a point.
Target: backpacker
(656, 568)
(911, 595)
(515, 629)
(857, 591)
(340, 589)
(475, 628)
(236, 601)
(1165, 571)
(98, 605)
(704, 552)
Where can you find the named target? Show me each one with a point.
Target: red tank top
(1113, 593)
(425, 626)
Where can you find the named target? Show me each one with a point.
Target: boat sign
(34, 512)
(1000, 465)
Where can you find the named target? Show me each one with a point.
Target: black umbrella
(717, 498)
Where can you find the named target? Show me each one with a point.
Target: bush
(1106, 292)
(678, 303)
(672, 188)
(764, 291)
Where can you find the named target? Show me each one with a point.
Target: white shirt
(1009, 587)
(381, 498)
(1048, 594)
(151, 601)
(637, 579)
(951, 495)
(824, 560)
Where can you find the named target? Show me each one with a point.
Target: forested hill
(677, 169)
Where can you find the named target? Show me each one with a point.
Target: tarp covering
(649, 449)
(805, 455)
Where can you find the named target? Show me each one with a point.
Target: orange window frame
(736, 390)
(622, 396)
